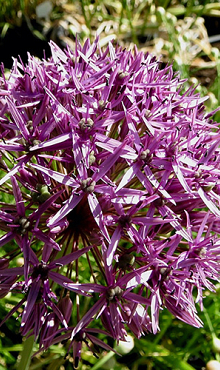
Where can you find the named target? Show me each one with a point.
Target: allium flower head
(112, 168)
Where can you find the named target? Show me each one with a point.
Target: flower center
(126, 261)
(124, 221)
(41, 270)
(81, 221)
(24, 225)
(86, 124)
(88, 185)
(114, 294)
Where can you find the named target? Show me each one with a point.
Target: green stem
(26, 354)
(209, 322)
(103, 360)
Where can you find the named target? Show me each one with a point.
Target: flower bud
(125, 347)
(65, 305)
(213, 365)
(216, 345)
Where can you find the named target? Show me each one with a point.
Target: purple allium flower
(113, 174)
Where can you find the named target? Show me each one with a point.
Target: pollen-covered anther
(102, 104)
(92, 158)
(36, 142)
(145, 155)
(24, 225)
(165, 272)
(197, 174)
(202, 252)
(30, 125)
(123, 74)
(86, 124)
(114, 293)
(88, 185)
(29, 143)
(147, 113)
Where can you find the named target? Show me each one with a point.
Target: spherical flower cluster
(112, 168)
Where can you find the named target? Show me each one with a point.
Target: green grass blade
(26, 354)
